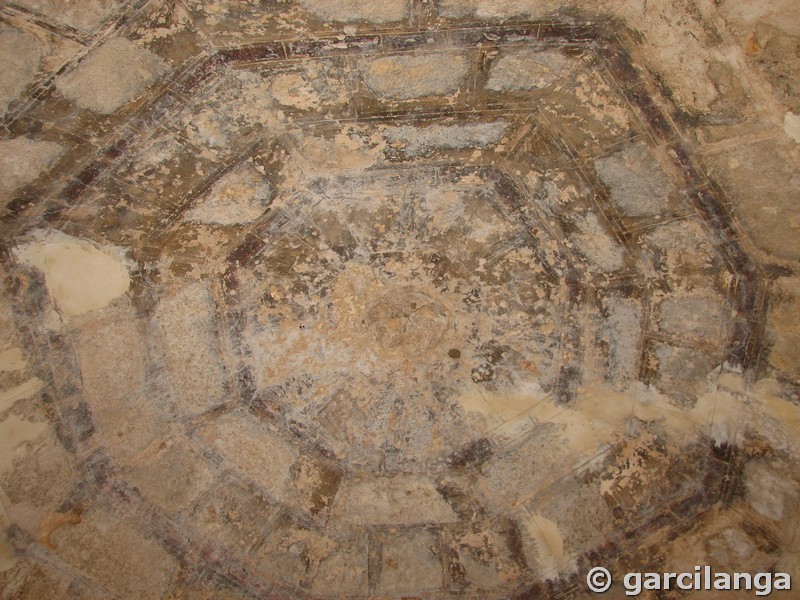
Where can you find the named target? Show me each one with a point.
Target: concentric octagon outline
(74, 421)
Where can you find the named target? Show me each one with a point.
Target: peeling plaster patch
(488, 9)
(86, 15)
(783, 326)
(681, 55)
(400, 500)
(781, 14)
(730, 547)
(526, 69)
(414, 76)
(598, 99)
(791, 125)
(14, 432)
(718, 413)
(263, 455)
(410, 552)
(601, 412)
(345, 152)
(8, 558)
(549, 542)
(725, 413)
(596, 245)
(685, 245)
(417, 140)
(373, 11)
(773, 416)
(699, 315)
(504, 406)
(637, 463)
(621, 330)
(588, 428)
(242, 99)
(22, 160)
(115, 74)
(291, 89)
(80, 275)
(21, 56)
(639, 186)
(188, 324)
(239, 197)
(768, 492)
(12, 360)
(311, 86)
(10, 396)
(112, 358)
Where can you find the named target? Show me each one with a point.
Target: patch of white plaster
(638, 184)
(22, 160)
(549, 542)
(347, 151)
(416, 140)
(526, 69)
(80, 275)
(596, 245)
(768, 492)
(12, 360)
(12, 395)
(21, 56)
(414, 76)
(8, 558)
(373, 11)
(501, 407)
(113, 75)
(490, 9)
(14, 432)
(791, 125)
(291, 89)
(86, 15)
(393, 501)
(239, 197)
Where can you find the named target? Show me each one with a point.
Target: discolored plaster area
(317, 299)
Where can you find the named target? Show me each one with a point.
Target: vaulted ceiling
(396, 299)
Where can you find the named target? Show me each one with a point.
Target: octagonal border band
(75, 424)
(706, 196)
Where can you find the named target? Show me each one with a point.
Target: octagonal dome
(447, 311)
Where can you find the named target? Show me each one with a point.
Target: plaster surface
(346, 300)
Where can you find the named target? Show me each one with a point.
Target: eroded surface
(395, 299)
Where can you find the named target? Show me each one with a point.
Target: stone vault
(441, 302)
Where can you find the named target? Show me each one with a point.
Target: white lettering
(636, 588)
(684, 577)
(722, 581)
(783, 581)
(652, 581)
(737, 579)
(763, 583)
(702, 578)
